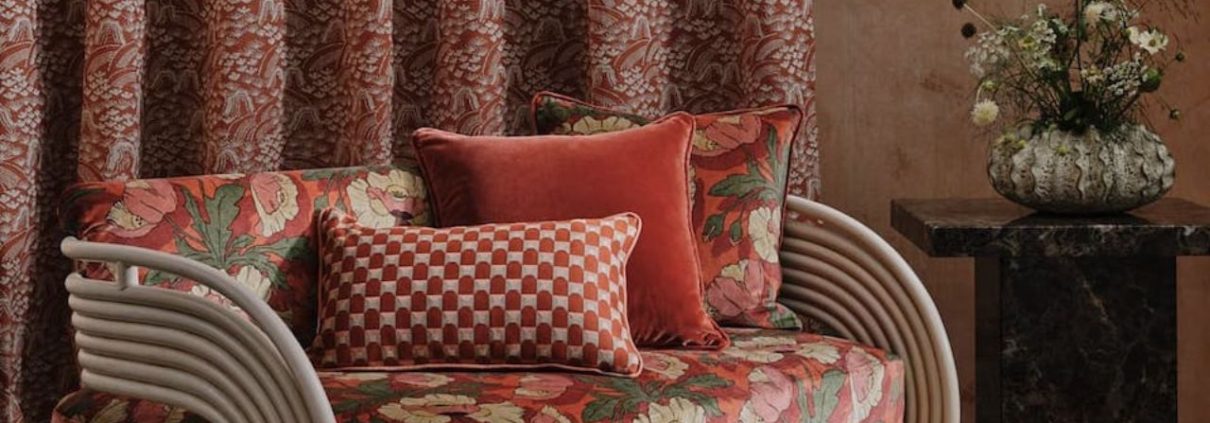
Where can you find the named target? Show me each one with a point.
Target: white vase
(1092, 173)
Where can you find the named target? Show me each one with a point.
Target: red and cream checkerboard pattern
(549, 294)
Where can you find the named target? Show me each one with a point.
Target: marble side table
(1075, 317)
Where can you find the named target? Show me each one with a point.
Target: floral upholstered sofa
(244, 247)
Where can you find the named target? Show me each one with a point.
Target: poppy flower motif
(821, 352)
(113, 412)
(358, 377)
(254, 280)
(396, 412)
(772, 393)
(143, 206)
(589, 125)
(542, 386)
(437, 408)
(501, 412)
(761, 356)
(678, 410)
(380, 200)
(764, 226)
(728, 295)
(664, 365)
(432, 408)
(726, 134)
(425, 380)
(865, 388)
(550, 415)
(276, 199)
(767, 342)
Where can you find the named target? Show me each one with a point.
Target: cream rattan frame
(183, 350)
(839, 272)
(180, 349)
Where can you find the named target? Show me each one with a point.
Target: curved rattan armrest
(186, 351)
(839, 272)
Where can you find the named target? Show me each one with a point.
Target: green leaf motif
(600, 410)
(333, 173)
(713, 227)
(782, 318)
(549, 115)
(191, 207)
(156, 277)
(737, 231)
(222, 210)
(185, 250)
(241, 242)
(705, 381)
(376, 389)
(287, 248)
(630, 395)
(771, 196)
(346, 406)
(631, 404)
(738, 185)
(706, 401)
(321, 202)
(800, 385)
(827, 397)
(215, 228)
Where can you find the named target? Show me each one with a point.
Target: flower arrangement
(1088, 70)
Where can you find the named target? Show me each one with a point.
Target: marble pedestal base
(1076, 339)
(1075, 315)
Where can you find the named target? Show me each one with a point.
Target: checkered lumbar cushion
(523, 295)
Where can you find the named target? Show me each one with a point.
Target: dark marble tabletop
(955, 227)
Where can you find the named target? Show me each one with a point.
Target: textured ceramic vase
(1092, 173)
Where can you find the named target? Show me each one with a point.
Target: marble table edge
(995, 227)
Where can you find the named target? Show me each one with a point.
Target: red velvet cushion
(490, 179)
(517, 295)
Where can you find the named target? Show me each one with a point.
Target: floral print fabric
(764, 376)
(259, 227)
(123, 89)
(738, 170)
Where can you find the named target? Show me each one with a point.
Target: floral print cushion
(259, 227)
(738, 170)
(764, 376)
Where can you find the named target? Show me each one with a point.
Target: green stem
(980, 17)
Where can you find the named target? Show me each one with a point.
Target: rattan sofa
(139, 344)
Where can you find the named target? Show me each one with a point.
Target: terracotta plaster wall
(893, 100)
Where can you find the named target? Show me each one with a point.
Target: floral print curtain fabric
(123, 89)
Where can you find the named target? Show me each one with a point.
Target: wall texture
(893, 99)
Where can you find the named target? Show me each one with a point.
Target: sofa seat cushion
(764, 376)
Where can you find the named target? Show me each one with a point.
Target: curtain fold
(123, 89)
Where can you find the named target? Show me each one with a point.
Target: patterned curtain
(119, 89)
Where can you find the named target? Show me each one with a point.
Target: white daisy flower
(985, 113)
(1098, 12)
